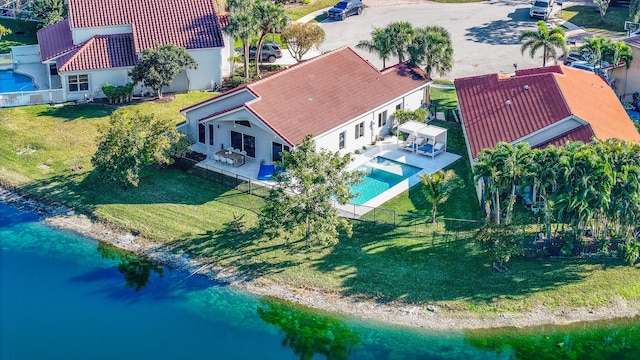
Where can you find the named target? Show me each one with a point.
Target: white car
(541, 9)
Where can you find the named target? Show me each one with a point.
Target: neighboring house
(541, 106)
(102, 39)
(338, 97)
(628, 79)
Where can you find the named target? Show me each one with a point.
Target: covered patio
(423, 139)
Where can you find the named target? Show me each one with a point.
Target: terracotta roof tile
(100, 52)
(591, 99)
(495, 110)
(320, 94)
(55, 40)
(192, 24)
(506, 109)
(583, 134)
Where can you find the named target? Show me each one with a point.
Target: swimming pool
(381, 174)
(13, 82)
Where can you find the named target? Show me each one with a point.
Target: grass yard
(24, 33)
(192, 215)
(588, 17)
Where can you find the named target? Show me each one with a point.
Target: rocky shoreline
(396, 313)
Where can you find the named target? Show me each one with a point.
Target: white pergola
(432, 135)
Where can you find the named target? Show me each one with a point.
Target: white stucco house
(338, 97)
(101, 40)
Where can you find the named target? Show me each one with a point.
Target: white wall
(27, 54)
(210, 63)
(220, 103)
(552, 131)
(97, 78)
(83, 34)
(628, 79)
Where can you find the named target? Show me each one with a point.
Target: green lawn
(188, 214)
(24, 33)
(588, 17)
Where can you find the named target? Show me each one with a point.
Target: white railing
(20, 98)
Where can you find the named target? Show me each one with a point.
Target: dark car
(345, 8)
(270, 51)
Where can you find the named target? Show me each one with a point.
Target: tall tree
(303, 196)
(157, 68)
(243, 26)
(302, 37)
(603, 6)
(620, 52)
(49, 11)
(596, 48)
(380, 43)
(268, 16)
(634, 10)
(130, 142)
(431, 46)
(549, 41)
(437, 188)
(401, 34)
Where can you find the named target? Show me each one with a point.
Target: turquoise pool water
(381, 174)
(12, 82)
(63, 296)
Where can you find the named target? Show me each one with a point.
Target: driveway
(485, 34)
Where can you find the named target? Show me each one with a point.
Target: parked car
(345, 8)
(541, 9)
(574, 56)
(585, 65)
(270, 51)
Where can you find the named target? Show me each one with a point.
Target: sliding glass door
(244, 142)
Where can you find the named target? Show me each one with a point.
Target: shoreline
(412, 315)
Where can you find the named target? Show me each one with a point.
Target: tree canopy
(302, 37)
(49, 11)
(302, 199)
(131, 141)
(157, 68)
(437, 188)
(549, 41)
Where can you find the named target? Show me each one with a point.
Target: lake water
(63, 296)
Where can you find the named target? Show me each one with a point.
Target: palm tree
(438, 187)
(432, 47)
(401, 34)
(549, 41)
(486, 170)
(380, 43)
(620, 52)
(596, 48)
(242, 25)
(268, 16)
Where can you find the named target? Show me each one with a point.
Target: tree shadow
(397, 265)
(239, 249)
(77, 112)
(501, 32)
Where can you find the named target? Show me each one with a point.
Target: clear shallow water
(381, 174)
(61, 298)
(10, 81)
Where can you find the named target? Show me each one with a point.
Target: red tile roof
(55, 40)
(320, 94)
(582, 133)
(192, 24)
(496, 109)
(100, 52)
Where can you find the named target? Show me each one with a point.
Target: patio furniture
(413, 145)
(243, 153)
(237, 159)
(431, 150)
(217, 158)
(230, 148)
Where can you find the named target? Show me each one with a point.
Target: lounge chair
(413, 145)
(431, 150)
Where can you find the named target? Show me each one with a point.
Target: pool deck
(387, 148)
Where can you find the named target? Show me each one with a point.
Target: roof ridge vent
(526, 87)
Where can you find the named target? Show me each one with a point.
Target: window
(276, 151)
(360, 130)
(382, 119)
(210, 134)
(201, 133)
(341, 139)
(243, 123)
(78, 82)
(399, 106)
(244, 142)
(53, 69)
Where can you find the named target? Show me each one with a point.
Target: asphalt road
(485, 34)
